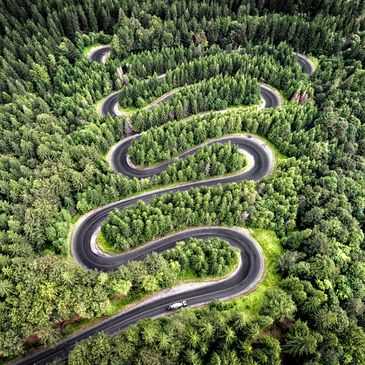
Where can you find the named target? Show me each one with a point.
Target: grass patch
(128, 109)
(116, 305)
(125, 111)
(86, 50)
(314, 60)
(76, 217)
(97, 105)
(270, 244)
(49, 250)
(249, 303)
(252, 107)
(123, 303)
(104, 244)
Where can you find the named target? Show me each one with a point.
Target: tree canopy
(213, 55)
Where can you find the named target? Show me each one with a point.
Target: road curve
(306, 64)
(99, 54)
(269, 96)
(244, 279)
(120, 162)
(110, 105)
(82, 240)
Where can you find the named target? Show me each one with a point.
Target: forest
(212, 56)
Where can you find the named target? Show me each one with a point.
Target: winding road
(110, 105)
(306, 64)
(251, 266)
(100, 54)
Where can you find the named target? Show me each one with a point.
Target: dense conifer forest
(188, 73)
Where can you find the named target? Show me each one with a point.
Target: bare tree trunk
(120, 73)
(128, 129)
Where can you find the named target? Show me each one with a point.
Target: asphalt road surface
(245, 278)
(269, 97)
(83, 249)
(306, 64)
(100, 54)
(110, 104)
(119, 159)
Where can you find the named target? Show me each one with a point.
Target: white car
(177, 305)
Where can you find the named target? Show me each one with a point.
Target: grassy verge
(125, 111)
(104, 244)
(314, 60)
(97, 104)
(108, 248)
(249, 303)
(128, 110)
(270, 244)
(252, 107)
(86, 50)
(276, 153)
(117, 305)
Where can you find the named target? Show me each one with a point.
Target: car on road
(177, 305)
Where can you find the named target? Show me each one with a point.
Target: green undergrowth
(128, 110)
(98, 103)
(158, 100)
(278, 155)
(89, 48)
(75, 218)
(185, 276)
(116, 306)
(280, 93)
(104, 244)
(107, 247)
(251, 303)
(252, 107)
(315, 61)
